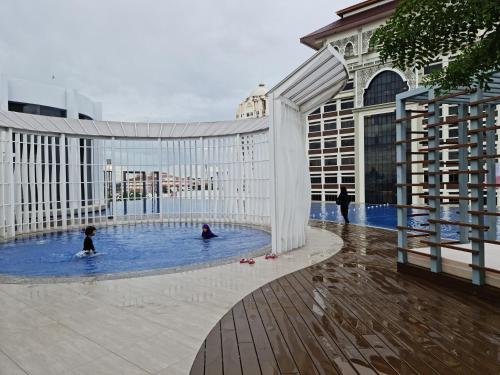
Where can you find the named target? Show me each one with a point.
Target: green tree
(421, 30)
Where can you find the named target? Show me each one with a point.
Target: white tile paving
(144, 325)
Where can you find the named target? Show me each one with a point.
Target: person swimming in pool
(88, 245)
(206, 233)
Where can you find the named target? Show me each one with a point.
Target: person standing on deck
(343, 201)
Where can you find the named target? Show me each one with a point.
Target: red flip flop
(251, 261)
(271, 256)
(244, 260)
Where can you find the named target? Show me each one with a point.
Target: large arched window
(349, 50)
(384, 87)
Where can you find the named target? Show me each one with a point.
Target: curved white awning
(315, 82)
(90, 128)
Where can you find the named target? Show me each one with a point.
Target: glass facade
(380, 158)
(384, 88)
(36, 109)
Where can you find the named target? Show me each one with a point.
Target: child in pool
(206, 233)
(88, 245)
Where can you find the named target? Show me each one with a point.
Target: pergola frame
(476, 149)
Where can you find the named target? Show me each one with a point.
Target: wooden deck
(355, 314)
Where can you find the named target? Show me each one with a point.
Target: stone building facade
(351, 138)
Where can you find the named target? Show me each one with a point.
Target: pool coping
(13, 279)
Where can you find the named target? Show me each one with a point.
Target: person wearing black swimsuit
(206, 233)
(88, 244)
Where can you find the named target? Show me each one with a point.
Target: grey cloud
(159, 60)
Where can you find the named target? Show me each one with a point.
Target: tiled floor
(145, 325)
(354, 313)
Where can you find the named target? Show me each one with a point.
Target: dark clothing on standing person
(344, 210)
(88, 245)
(343, 201)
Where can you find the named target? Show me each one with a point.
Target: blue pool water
(127, 248)
(384, 216)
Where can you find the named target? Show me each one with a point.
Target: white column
(85, 190)
(239, 178)
(209, 178)
(3, 181)
(113, 180)
(24, 203)
(160, 184)
(203, 182)
(62, 180)
(185, 160)
(194, 159)
(275, 115)
(169, 196)
(17, 182)
(179, 192)
(10, 217)
(74, 180)
(39, 184)
(290, 176)
(32, 185)
(53, 183)
(46, 181)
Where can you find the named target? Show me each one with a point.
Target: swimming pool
(384, 216)
(127, 248)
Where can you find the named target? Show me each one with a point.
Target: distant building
(255, 105)
(18, 95)
(352, 136)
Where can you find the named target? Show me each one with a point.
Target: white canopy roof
(314, 82)
(36, 123)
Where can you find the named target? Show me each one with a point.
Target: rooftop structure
(255, 105)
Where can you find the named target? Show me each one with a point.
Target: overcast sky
(152, 60)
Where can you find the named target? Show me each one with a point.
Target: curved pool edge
(13, 279)
(8, 279)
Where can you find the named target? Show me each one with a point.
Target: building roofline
(357, 6)
(350, 22)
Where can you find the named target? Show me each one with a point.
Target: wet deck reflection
(354, 314)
